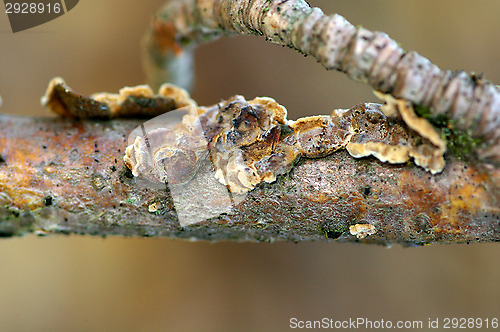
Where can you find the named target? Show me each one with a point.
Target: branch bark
(59, 175)
(64, 176)
(370, 57)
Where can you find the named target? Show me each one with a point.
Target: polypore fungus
(138, 101)
(254, 143)
(428, 155)
(250, 142)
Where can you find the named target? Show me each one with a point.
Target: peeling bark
(66, 176)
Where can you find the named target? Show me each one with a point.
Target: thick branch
(371, 57)
(60, 176)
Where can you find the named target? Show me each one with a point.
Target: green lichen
(460, 143)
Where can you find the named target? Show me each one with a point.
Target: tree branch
(65, 176)
(68, 176)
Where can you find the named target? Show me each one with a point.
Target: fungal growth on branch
(470, 102)
(250, 142)
(61, 175)
(138, 101)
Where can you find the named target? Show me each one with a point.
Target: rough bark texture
(64, 176)
(370, 57)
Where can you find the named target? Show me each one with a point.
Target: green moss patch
(460, 143)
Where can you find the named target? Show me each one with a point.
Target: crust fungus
(138, 101)
(428, 153)
(169, 153)
(252, 145)
(250, 142)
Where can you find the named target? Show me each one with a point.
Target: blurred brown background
(88, 283)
